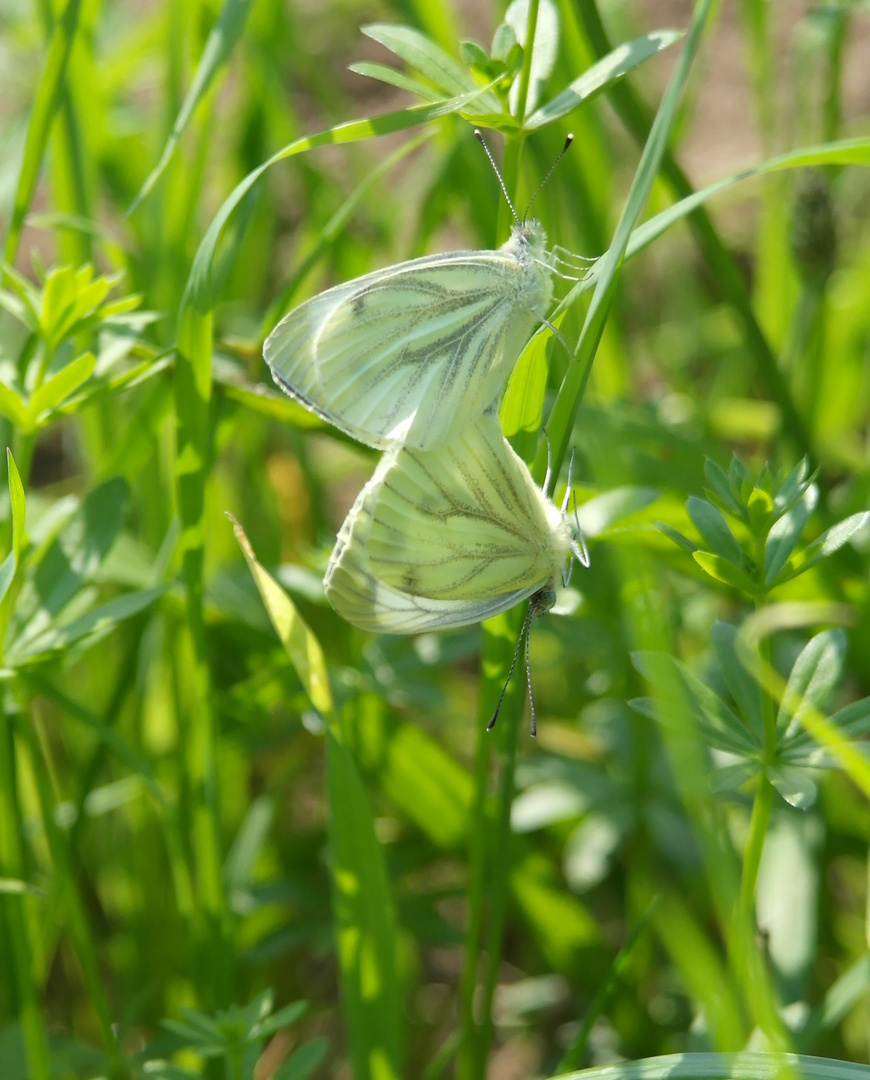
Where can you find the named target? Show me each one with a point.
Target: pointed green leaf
(733, 777)
(7, 574)
(12, 407)
(392, 77)
(281, 1019)
(795, 785)
(785, 534)
(725, 572)
(601, 75)
(830, 541)
(681, 689)
(303, 1061)
(720, 487)
(301, 645)
(681, 541)
(710, 523)
(100, 621)
(813, 677)
(793, 486)
(741, 685)
(759, 510)
(59, 387)
(19, 506)
(423, 55)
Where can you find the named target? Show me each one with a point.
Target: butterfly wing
(360, 596)
(465, 522)
(415, 352)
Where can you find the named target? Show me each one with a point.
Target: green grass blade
(365, 919)
(224, 37)
(45, 107)
(561, 419)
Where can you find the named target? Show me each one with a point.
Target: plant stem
(12, 866)
(65, 880)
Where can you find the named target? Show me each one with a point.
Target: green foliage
(214, 792)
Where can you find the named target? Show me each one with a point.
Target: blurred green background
(187, 831)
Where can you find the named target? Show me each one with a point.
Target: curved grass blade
(223, 38)
(363, 909)
(45, 106)
(609, 265)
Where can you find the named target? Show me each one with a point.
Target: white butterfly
(447, 537)
(418, 351)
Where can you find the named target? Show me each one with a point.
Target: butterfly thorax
(527, 246)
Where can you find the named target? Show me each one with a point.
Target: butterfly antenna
(533, 727)
(568, 140)
(523, 634)
(479, 136)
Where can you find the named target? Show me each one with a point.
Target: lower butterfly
(444, 538)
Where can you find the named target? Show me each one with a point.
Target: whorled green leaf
(741, 685)
(303, 1061)
(98, 622)
(59, 387)
(680, 689)
(601, 75)
(725, 571)
(423, 55)
(12, 407)
(720, 487)
(830, 541)
(68, 563)
(727, 778)
(689, 546)
(852, 722)
(712, 526)
(786, 532)
(392, 77)
(19, 506)
(794, 784)
(813, 677)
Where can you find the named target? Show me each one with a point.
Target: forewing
(415, 352)
(464, 522)
(358, 595)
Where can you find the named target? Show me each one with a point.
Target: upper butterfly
(418, 351)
